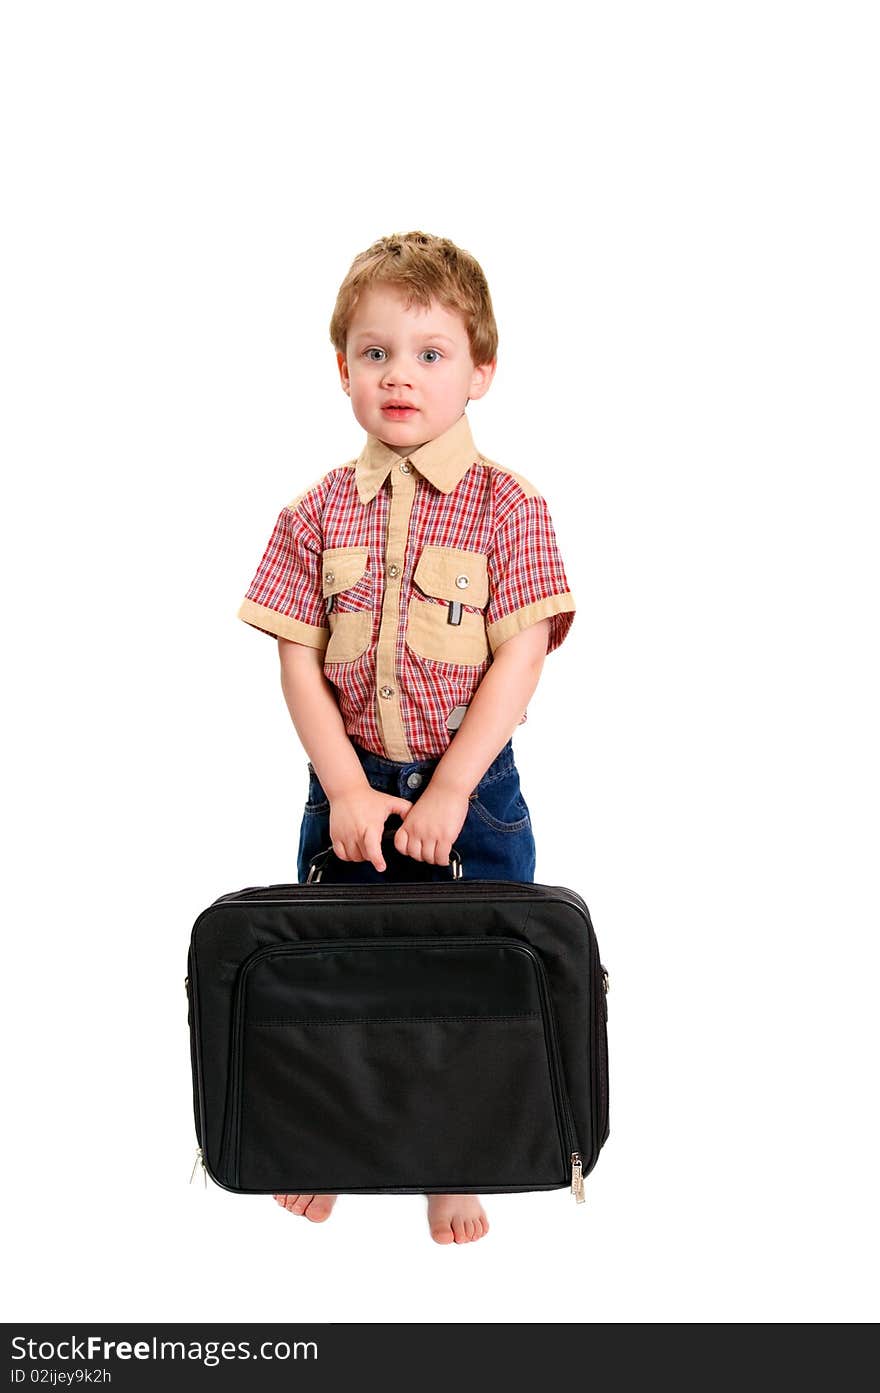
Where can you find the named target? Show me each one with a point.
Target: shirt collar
(443, 461)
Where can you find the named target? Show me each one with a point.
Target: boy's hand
(357, 821)
(432, 824)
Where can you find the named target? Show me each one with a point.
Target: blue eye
(434, 359)
(369, 354)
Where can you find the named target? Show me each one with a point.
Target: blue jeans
(495, 842)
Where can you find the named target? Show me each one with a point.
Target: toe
(319, 1208)
(442, 1233)
(469, 1229)
(458, 1229)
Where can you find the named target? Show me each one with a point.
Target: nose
(396, 374)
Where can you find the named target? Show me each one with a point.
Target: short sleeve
(285, 597)
(527, 580)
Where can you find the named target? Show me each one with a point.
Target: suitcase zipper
(190, 1016)
(577, 1170)
(484, 889)
(600, 1047)
(570, 1155)
(577, 1177)
(199, 1161)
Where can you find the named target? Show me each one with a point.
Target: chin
(402, 430)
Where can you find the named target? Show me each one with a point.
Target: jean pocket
(316, 799)
(500, 803)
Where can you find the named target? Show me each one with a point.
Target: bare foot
(314, 1207)
(456, 1218)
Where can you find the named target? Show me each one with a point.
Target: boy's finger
(373, 848)
(402, 806)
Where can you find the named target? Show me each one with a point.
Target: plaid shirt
(409, 574)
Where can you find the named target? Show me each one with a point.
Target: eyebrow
(374, 334)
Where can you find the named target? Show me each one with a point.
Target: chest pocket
(348, 592)
(445, 620)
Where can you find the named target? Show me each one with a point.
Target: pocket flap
(342, 567)
(448, 573)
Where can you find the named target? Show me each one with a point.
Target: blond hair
(426, 268)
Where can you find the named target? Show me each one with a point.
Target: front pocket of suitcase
(422, 1064)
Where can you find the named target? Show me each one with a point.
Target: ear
(481, 380)
(343, 373)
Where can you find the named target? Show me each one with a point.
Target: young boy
(414, 593)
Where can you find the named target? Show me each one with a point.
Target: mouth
(399, 409)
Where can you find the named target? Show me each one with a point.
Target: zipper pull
(199, 1161)
(577, 1177)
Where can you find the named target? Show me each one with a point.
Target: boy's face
(409, 372)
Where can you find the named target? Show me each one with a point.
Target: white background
(677, 209)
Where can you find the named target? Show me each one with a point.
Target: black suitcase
(433, 1037)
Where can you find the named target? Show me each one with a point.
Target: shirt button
(462, 582)
(413, 780)
(405, 467)
(386, 692)
(329, 576)
(393, 571)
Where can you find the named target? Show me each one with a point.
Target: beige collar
(443, 461)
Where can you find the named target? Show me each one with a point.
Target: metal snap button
(393, 571)
(462, 582)
(414, 780)
(329, 576)
(386, 692)
(405, 467)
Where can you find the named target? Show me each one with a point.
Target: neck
(404, 450)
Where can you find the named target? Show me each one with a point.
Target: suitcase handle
(318, 863)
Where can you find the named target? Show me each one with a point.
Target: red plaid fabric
(347, 566)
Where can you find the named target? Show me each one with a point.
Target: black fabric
(422, 1037)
